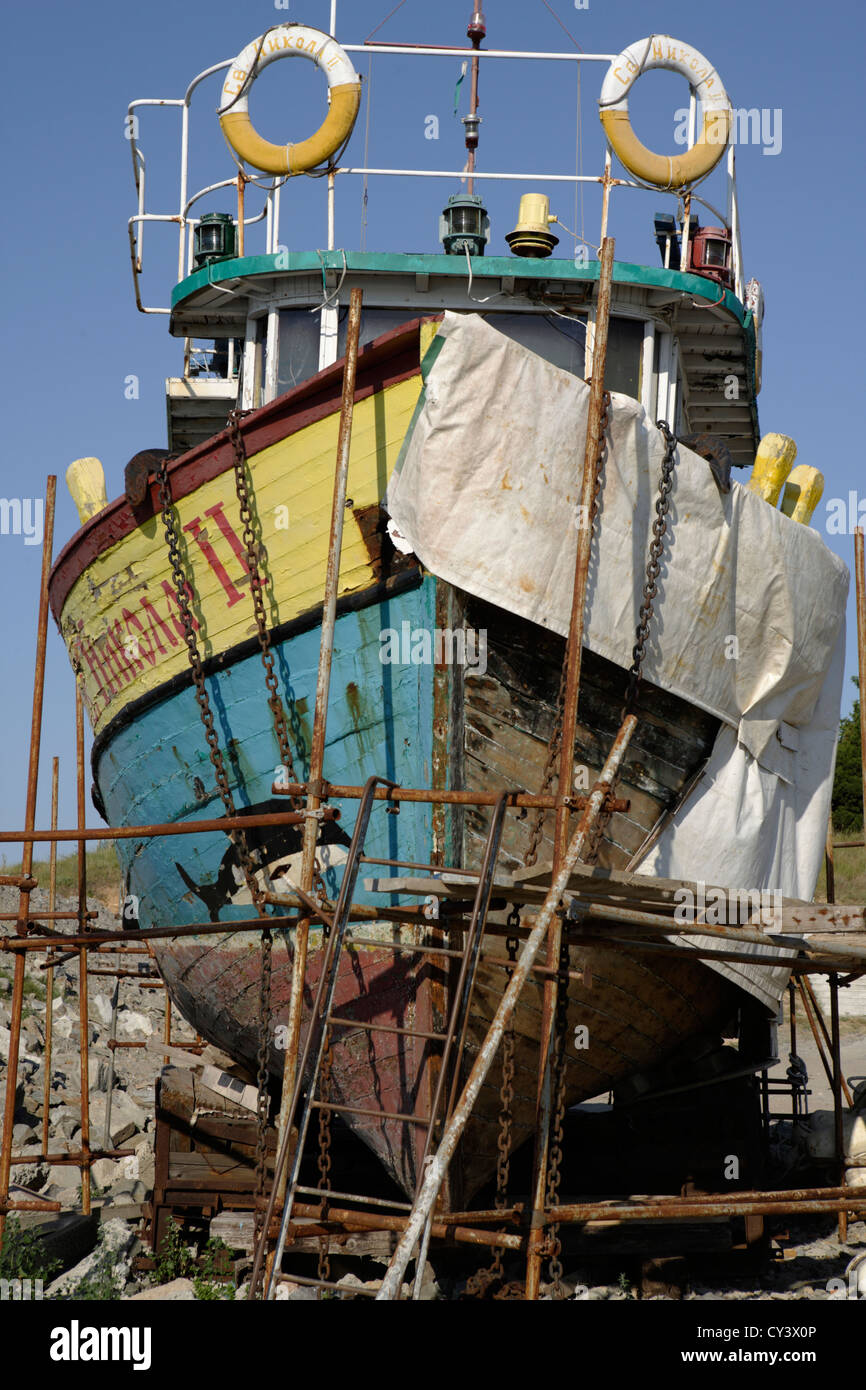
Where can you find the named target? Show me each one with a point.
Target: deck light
(464, 225)
(711, 254)
(214, 239)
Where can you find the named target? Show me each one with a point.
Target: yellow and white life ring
(665, 171)
(344, 91)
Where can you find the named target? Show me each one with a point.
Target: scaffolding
(623, 912)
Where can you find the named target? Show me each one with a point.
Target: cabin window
(374, 322)
(298, 349)
(562, 342)
(558, 340)
(624, 346)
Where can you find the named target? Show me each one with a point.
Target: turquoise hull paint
(380, 720)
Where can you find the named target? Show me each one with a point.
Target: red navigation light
(710, 254)
(477, 27)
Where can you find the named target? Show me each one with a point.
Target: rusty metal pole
(475, 33)
(687, 218)
(839, 1130)
(320, 718)
(592, 444)
(574, 652)
(166, 1026)
(109, 1093)
(49, 974)
(241, 214)
(860, 580)
(27, 855)
(437, 1164)
(606, 184)
(145, 832)
(829, 862)
(83, 1019)
(810, 1004)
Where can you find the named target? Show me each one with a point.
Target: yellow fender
(85, 479)
(344, 90)
(665, 171)
(773, 462)
(803, 492)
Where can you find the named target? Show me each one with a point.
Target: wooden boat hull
(637, 1010)
(636, 1013)
(416, 720)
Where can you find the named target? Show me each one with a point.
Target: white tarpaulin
(749, 621)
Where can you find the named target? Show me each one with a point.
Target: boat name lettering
(115, 657)
(203, 541)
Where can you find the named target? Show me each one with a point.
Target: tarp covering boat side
(749, 620)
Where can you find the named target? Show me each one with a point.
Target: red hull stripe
(391, 358)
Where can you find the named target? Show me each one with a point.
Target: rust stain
(384, 559)
(526, 584)
(353, 700)
(505, 484)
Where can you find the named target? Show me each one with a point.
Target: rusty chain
(602, 457)
(553, 751)
(561, 1007)
(560, 1044)
(263, 1099)
(257, 589)
(324, 1160)
(182, 595)
(258, 585)
(247, 861)
(653, 569)
(480, 1282)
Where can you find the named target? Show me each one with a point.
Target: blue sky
(73, 334)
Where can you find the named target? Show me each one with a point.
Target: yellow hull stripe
(120, 620)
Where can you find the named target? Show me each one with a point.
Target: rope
(385, 20)
(562, 26)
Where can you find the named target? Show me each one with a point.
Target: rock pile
(140, 1016)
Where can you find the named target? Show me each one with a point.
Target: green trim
(483, 267)
(427, 362)
(430, 356)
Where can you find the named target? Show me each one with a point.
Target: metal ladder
(323, 1020)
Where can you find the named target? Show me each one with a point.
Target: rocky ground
(118, 1186)
(808, 1261)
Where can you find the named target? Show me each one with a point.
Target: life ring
(665, 171)
(344, 87)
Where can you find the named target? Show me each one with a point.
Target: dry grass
(850, 870)
(103, 875)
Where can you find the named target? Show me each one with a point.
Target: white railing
(270, 213)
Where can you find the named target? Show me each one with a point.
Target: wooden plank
(641, 893)
(236, 1230)
(177, 1054)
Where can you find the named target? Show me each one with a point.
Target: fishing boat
(455, 567)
